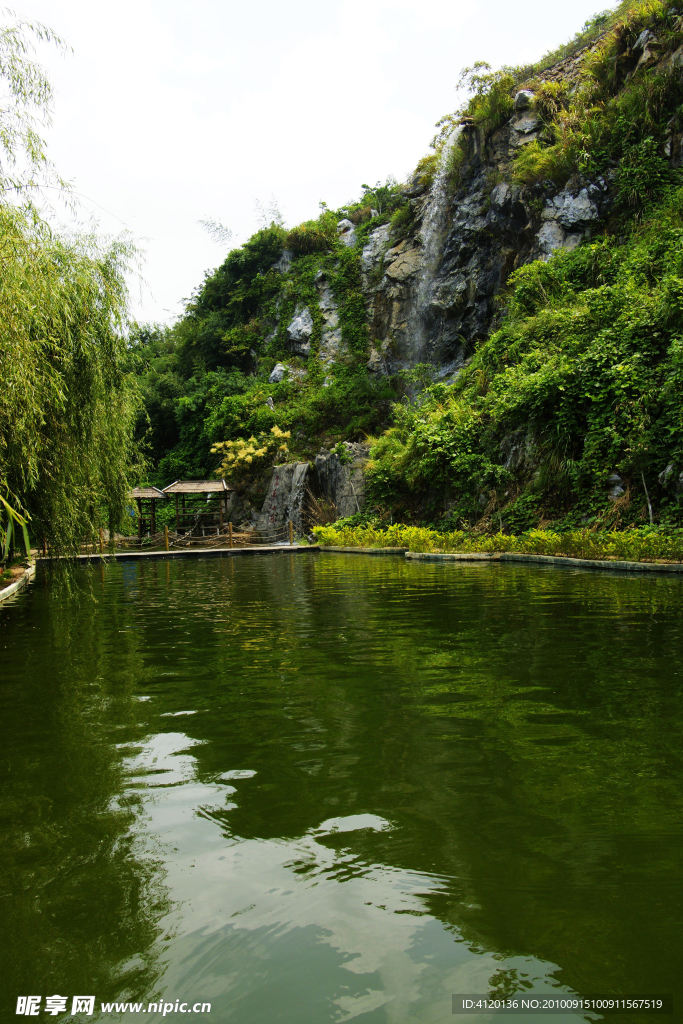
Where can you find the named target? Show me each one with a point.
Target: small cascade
(434, 226)
(284, 502)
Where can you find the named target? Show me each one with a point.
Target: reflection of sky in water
(318, 933)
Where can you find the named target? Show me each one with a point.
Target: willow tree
(66, 405)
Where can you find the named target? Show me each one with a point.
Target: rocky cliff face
(295, 488)
(433, 296)
(307, 329)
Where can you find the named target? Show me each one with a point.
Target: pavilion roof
(197, 487)
(147, 492)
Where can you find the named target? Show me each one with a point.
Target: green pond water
(317, 787)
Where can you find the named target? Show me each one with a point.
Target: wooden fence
(225, 537)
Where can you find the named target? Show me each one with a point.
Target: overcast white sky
(167, 113)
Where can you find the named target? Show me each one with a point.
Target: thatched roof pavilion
(151, 494)
(194, 489)
(197, 487)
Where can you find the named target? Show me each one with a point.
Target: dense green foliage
(583, 380)
(620, 115)
(66, 404)
(205, 380)
(579, 384)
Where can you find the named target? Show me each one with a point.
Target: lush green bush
(583, 379)
(619, 113)
(644, 545)
(308, 238)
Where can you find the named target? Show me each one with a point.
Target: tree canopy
(66, 403)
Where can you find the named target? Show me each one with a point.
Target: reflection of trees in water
(517, 726)
(79, 908)
(520, 728)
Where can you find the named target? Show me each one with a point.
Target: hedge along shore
(26, 575)
(577, 563)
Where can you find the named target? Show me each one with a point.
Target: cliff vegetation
(506, 329)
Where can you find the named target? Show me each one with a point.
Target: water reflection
(310, 921)
(325, 788)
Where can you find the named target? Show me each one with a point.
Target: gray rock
(519, 450)
(277, 373)
(331, 340)
(676, 58)
(523, 100)
(343, 485)
(284, 501)
(665, 479)
(573, 210)
(500, 195)
(284, 263)
(616, 487)
(376, 244)
(552, 236)
(665, 475)
(269, 402)
(378, 361)
(346, 231)
(526, 124)
(650, 54)
(417, 187)
(643, 39)
(299, 332)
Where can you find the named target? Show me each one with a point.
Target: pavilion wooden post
(153, 503)
(177, 516)
(230, 533)
(101, 541)
(221, 512)
(166, 544)
(291, 532)
(139, 504)
(44, 547)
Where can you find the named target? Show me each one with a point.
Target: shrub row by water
(640, 545)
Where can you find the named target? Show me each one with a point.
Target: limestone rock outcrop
(299, 332)
(346, 230)
(284, 501)
(331, 346)
(277, 373)
(343, 483)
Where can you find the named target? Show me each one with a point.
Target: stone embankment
(19, 580)
(510, 556)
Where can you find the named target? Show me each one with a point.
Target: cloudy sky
(168, 113)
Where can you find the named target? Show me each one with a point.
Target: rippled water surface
(329, 787)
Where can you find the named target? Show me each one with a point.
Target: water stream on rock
(424, 314)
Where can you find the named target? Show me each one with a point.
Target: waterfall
(434, 226)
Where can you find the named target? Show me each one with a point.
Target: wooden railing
(208, 538)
